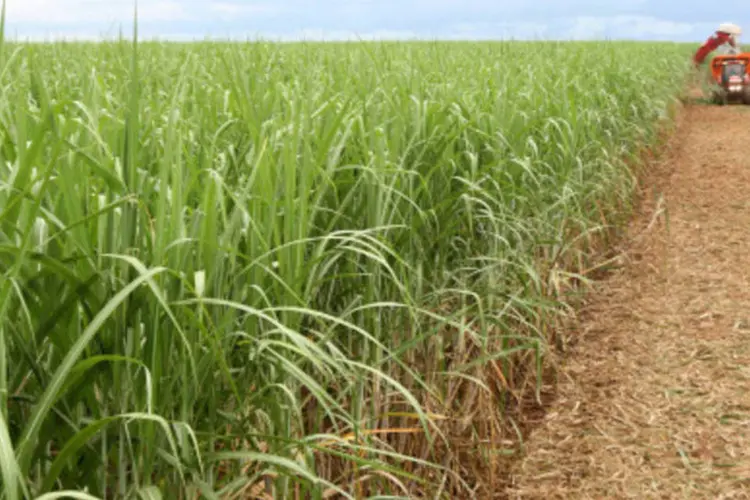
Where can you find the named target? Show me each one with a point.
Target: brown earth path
(654, 397)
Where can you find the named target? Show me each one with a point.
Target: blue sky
(679, 20)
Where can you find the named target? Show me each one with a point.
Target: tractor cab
(731, 74)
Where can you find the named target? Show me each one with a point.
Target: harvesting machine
(731, 74)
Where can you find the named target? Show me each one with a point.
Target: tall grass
(309, 270)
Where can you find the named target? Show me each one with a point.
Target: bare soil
(653, 400)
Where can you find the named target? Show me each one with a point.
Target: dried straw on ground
(654, 398)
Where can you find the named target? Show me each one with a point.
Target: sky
(676, 20)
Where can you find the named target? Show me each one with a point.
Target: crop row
(313, 268)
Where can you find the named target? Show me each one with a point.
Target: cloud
(61, 12)
(492, 31)
(628, 26)
(370, 19)
(235, 9)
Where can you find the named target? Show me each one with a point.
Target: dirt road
(654, 399)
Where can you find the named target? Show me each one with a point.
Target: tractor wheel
(746, 96)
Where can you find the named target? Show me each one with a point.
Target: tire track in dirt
(654, 397)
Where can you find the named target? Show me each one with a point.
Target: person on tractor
(724, 38)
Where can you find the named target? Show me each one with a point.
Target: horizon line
(287, 40)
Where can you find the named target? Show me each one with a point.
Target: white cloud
(479, 31)
(641, 26)
(232, 10)
(359, 19)
(164, 10)
(57, 12)
(589, 27)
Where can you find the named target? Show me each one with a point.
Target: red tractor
(730, 70)
(731, 74)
